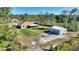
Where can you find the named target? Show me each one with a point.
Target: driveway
(47, 38)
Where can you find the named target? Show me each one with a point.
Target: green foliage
(8, 34)
(65, 46)
(2, 44)
(8, 38)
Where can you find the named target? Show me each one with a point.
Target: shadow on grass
(48, 32)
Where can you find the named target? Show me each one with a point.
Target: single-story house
(25, 24)
(58, 30)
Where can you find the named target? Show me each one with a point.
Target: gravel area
(46, 38)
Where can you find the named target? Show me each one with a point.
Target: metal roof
(59, 28)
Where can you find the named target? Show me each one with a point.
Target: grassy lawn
(31, 32)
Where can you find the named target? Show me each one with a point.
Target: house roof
(59, 28)
(25, 23)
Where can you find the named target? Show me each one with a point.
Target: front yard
(32, 32)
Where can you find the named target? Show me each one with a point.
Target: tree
(8, 34)
(65, 17)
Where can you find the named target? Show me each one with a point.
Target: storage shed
(58, 30)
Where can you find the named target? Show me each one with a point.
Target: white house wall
(23, 26)
(33, 25)
(63, 32)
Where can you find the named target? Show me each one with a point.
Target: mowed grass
(32, 31)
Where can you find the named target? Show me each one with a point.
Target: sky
(37, 10)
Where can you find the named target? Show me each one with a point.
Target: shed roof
(59, 28)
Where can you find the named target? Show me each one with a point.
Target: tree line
(67, 18)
